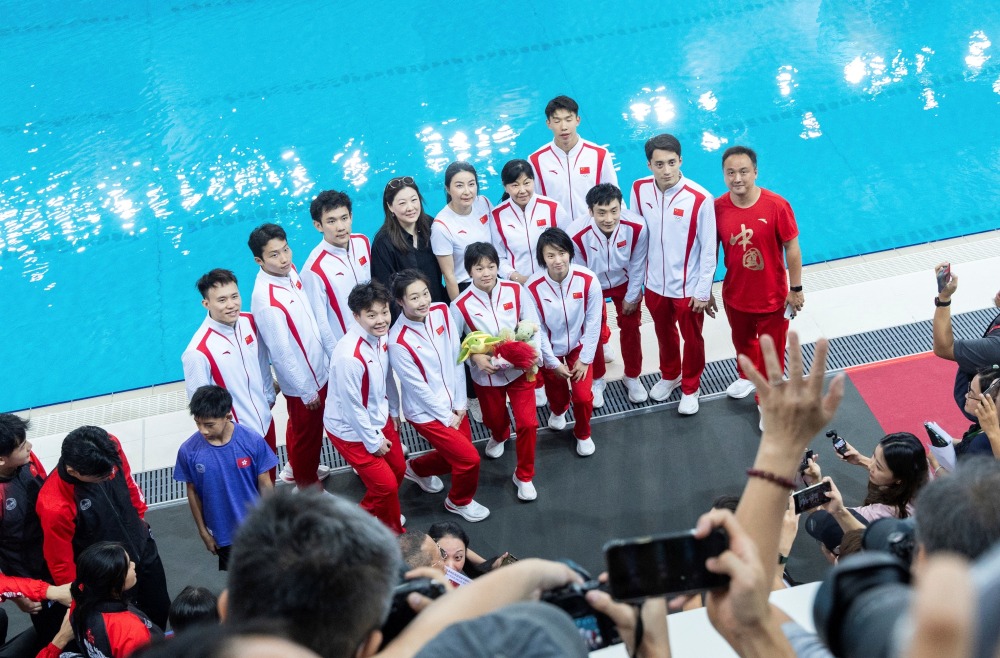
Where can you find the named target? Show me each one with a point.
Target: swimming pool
(141, 141)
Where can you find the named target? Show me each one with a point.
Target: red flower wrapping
(520, 355)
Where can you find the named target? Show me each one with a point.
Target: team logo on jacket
(362, 260)
(678, 212)
(584, 171)
(508, 306)
(10, 504)
(577, 295)
(298, 284)
(540, 222)
(440, 330)
(85, 504)
(484, 219)
(243, 462)
(200, 468)
(248, 339)
(621, 244)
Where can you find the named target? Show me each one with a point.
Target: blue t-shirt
(225, 477)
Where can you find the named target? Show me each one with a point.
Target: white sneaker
(493, 449)
(761, 423)
(598, 390)
(286, 474)
(557, 421)
(475, 410)
(689, 403)
(609, 353)
(540, 399)
(636, 391)
(430, 483)
(472, 512)
(585, 447)
(662, 389)
(402, 520)
(525, 490)
(740, 389)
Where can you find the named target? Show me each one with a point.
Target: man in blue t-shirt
(225, 466)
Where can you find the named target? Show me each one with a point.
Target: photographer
(983, 437)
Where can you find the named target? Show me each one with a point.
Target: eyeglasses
(444, 556)
(403, 181)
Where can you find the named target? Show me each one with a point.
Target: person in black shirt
(404, 241)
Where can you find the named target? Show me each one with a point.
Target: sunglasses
(403, 181)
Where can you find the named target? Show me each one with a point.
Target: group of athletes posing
(551, 258)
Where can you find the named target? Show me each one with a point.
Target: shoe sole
(416, 482)
(687, 413)
(740, 397)
(497, 455)
(519, 496)
(470, 519)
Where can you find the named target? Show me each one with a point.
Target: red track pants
(304, 439)
(380, 474)
(453, 453)
(747, 328)
(668, 314)
(558, 391)
(631, 341)
(493, 401)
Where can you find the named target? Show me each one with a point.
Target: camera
(839, 444)
(400, 613)
(596, 628)
(862, 606)
(893, 536)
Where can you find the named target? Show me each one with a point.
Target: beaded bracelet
(771, 477)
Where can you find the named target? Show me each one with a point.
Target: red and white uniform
(452, 233)
(505, 306)
(619, 261)
(329, 275)
(502, 308)
(515, 232)
(235, 359)
(357, 419)
(681, 223)
(756, 284)
(432, 384)
(567, 177)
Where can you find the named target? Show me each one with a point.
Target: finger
(818, 370)
(678, 602)
(833, 396)
(771, 364)
(795, 365)
(418, 602)
(622, 614)
(750, 370)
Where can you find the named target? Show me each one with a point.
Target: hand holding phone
(939, 438)
(811, 497)
(943, 276)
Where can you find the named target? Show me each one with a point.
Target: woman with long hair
(404, 241)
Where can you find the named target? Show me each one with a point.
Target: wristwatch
(939, 303)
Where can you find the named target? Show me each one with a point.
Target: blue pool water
(141, 141)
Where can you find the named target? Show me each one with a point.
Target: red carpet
(905, 392)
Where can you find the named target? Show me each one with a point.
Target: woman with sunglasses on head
(404, 241)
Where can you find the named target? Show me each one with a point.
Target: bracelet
(939, 303)
(796, 288)
(771, 477)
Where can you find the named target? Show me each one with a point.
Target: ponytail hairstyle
(101, 571)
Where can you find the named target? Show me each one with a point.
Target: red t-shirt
(752, 241)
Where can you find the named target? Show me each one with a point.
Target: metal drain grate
(845, 352)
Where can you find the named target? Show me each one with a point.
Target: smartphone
(509, 559)
(789, 312)
(811, 497)
(991, 390)
(400, 612)
(939, 438)
(596, 628)
(839, 444)
(944, 276)
(804, 464)
(642, 567)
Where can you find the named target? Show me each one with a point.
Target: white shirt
(681, 223)
(363, 394)
(506, 305)
(567, 177)
(452, 233)
(616, 259)
(235, 359)
(423, 355)
(329, 275)
(570, 312)
(287, 323)
(515, 232)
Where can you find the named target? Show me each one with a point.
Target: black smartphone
(804, 464)
(811, 497)
(674, 563)
(944, 276)
(934, 432)
(991, 390)
(596, 628)
(839, 444)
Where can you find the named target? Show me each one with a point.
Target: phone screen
(839, 444)
(664, 564)
(811, 497)
(943, 277)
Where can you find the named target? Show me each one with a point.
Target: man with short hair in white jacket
(226, 351)
(299, 349)
(569, 299)
(680, 216)
(423, 352)
(362, 411)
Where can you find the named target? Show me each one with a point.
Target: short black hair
(411, 544)
(603, 195)
(90, 451)
(987, 376)
(404, 278)
(328, 200)
(216, 277)
(366, 295)
(513, 169)
(961, 513)
(448, 529)
(193, 606)
(210, 401)
(13, 433)
(478, 251)
(312, 559)
(740, 150)
(664, 142)
(553, 237)
(561, 103)
(260, 236)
